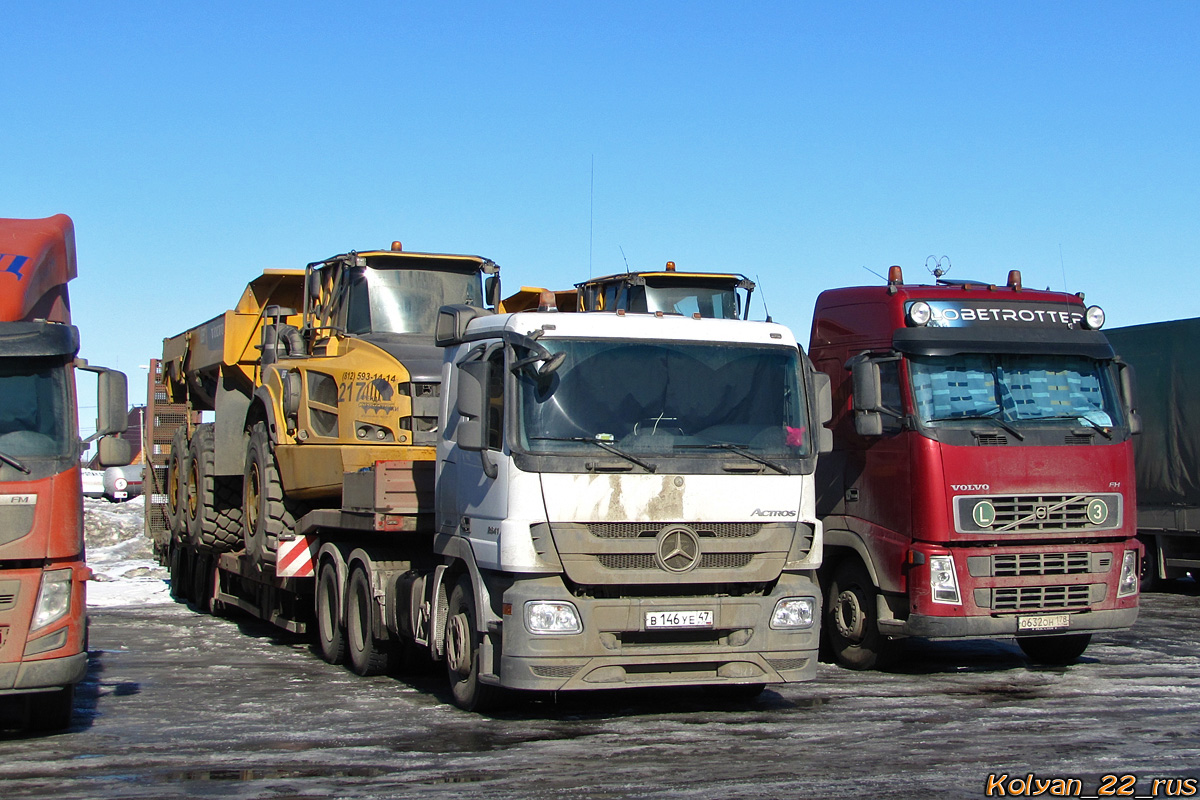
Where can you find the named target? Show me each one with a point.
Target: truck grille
(1006, 566)
(1037, 513)
(646, 560)
(1031, 598)
(638, 530)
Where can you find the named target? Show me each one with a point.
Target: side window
(889, 380)
(495, 399)
(610, 297)
(358, 310)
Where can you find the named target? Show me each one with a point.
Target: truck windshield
(407, 300)
(34, 409)
(715, 301)
(1013, 389)
(665, 398)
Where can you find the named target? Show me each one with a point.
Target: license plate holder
(692, 618)
(1044, 622)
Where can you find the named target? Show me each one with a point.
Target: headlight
(1128, 584)
(54, 598)
(545, 616)
(919, 313)
(943, 584)
(793, 613)
(1093, 318)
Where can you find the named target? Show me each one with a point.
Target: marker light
(54, 598)
(919, 313)
(793, 613)
(546, 616)
(1093, 318)
(1128, 583)
(943, 583)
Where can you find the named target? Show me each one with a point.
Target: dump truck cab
(669, 291)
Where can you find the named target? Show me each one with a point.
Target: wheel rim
(458, 648)
(193, 489)
(253, 491)
(848, 616)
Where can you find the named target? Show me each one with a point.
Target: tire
(462, 652)
(180, 579)
(266, 513)
(52, 711)
(331, 634)
(1054, 650)
(202, 582)
(852, 620)
(175, 486)
(366, 654)
(214, 511)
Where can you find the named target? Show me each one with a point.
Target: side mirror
(112, 400)
(1129, 397)
(824, 409)
(452, 321)
(868, 423)
(472, 377)
(868, 393)
(314, 285)
(114, 452)
(491, 290)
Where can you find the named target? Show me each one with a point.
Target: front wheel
(52, 711)
(462, 652)
(266, 513)
(852, 621)
(1054, 650)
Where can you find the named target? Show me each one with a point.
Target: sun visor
(38, 340)
(1032, 341)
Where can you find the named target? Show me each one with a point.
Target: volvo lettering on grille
(677, 549)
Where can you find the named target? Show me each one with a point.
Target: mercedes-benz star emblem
(678, 549)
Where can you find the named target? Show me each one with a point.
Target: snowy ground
(120, 555)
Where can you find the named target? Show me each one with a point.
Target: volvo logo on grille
(677, 549)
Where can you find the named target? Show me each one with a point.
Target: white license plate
(679, 619)
(1045, 622)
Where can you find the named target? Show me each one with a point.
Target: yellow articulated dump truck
(315, 373)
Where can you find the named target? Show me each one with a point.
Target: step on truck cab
(43, 622)
(981, 482)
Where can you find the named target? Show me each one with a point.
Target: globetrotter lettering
(946, 315)
(759, 512)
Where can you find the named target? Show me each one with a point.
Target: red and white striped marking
(294, 558)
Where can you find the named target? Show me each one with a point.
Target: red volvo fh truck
(42, 571)
(981, 483)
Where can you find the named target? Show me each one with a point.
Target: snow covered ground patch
(121, 556)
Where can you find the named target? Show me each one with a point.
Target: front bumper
(44, 675)
(614, 649)
(987, 627)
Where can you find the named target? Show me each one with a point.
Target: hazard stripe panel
(294, 558)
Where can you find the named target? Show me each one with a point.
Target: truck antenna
(1063, 264)
(873, 272)
(937, 270)
(762, 292)
(591, 211)
(622, 249)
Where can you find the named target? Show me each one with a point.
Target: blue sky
(195, 144)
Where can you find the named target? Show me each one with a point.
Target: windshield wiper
(990, 416)
(7, 459)
(741, 451)
(602, 445)
(1105, 432)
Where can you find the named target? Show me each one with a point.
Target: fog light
(793, 613)
(1128, 583)
(54, 598)
(545, 616)
(943, 583)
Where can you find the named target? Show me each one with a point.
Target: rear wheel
(1054, 650)
(180, 578)
(266, 513)
(852, 624)
(368, 655)
(175, 486)
(214, 501)
(331, 635)
(462, 652)
(203, 568)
